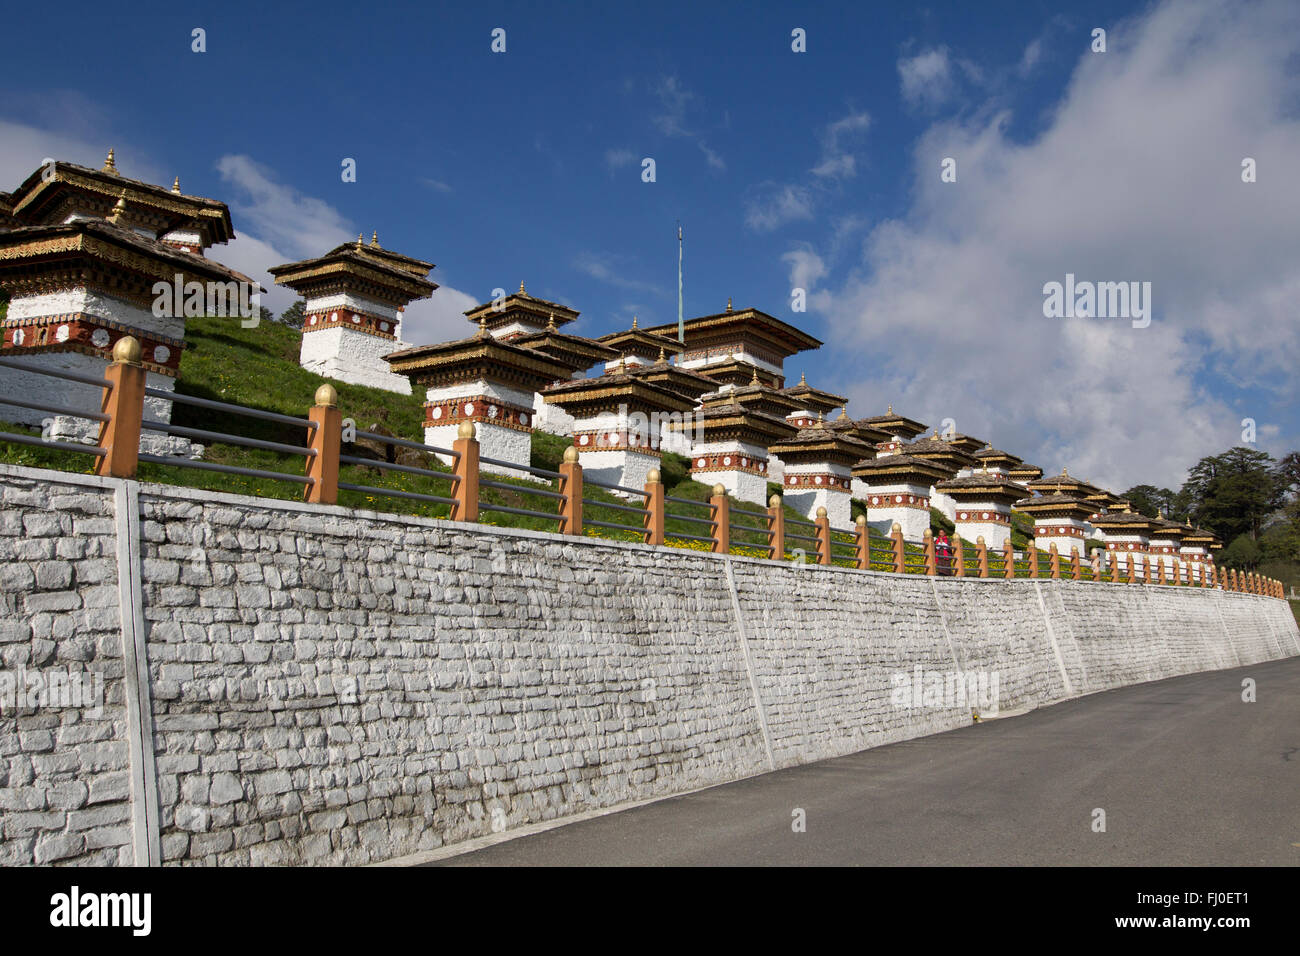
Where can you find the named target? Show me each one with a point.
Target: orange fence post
(570, 485)
(959, 556)
(900, 559)
(123, 403)
(326, 440)
(466, 472)
(823, 524)
(1031, 554)
(1076, 565)
(654, 508)
(1009, 555)
(776, 528)
(982, 556)
(863, 542)
(722, 516)
(931, 565)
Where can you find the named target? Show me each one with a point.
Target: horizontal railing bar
(749, 511)
(226, 469)
(55, 409)
(689, 537)
(800, 521)
(711, 524)
(406, 443)
(800, 537)
(70, 376)
(394, 466)
(515, 466)
(221, 438)
(602, 504)
(688, 501)
(396, 493)
(522, 489)
(227, 407)
(95, 450)
(613, 487)
(616, 527)
(517, 511)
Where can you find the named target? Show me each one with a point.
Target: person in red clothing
(943, 553)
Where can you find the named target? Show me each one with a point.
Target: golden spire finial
(119, 209)
(550, 323)
(482, 326)
(663, 357)
(622, 362)
(360, 240)
(844, 414)
(634, 321)
(521, 286)
(374, 239)
(1065, 472)
(176, 185)
(110, 166)
(936, 434)
(890, 410)
(753, 377)
(821, 418)
(728, 303)
(802, 379)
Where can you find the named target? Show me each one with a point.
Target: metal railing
(725, 527)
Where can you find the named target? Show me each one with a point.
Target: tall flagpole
(681, 327)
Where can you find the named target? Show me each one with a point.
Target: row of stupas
(80, 250)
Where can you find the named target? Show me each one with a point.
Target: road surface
(1186, 772)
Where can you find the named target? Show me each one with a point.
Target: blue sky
(817, 170)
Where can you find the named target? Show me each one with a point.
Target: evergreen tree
(293, 316)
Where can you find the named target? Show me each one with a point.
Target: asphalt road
(1186, 772)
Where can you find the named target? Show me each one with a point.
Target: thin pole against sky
(681, 327)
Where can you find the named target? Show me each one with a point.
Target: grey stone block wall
(64, 793)
(339, 687)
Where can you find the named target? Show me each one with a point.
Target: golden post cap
(127, 350)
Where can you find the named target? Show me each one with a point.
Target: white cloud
(1033, 53)
(927, 78)
(774, 206)
(674, 99)
(714, 159)
(606, 269)
(1137, 177)
(436, 185)
(837, 162)
(280, 214)
(806, 268)
(616, 159)
(439, 318)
